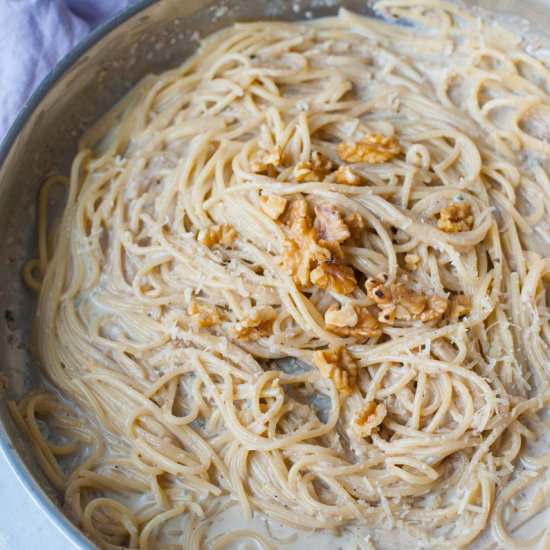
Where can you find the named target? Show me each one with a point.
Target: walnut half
(301, 252)
(311, 252)
(350, 321)
(338, 365)
(371, 149)
(397, 302)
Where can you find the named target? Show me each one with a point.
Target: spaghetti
(305, 272)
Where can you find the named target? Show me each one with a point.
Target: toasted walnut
(414, 303)
(301, 252)
(329, 225)
(298, 217)
(349, 321)
(203, 315)
(338, 365)
(460, 306)
(369, 418)
(314, 169)
(387, 315)
(304, 173)
(299, 258)
(341, 317)
(378, 292)
(346, 176)
(266, 162)
(437, 306)
(312, 252)
(258, 324)
(355, 224)
(456, 217)
(320, 162)
(295, 262)
(371, 148)
(223, 234)
(397, 302)
(367, 326)
(412, 261)
(335, 249)
(335, 277)
(273, 205)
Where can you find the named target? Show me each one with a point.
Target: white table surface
(23, 526)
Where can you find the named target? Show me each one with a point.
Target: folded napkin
(35, 35)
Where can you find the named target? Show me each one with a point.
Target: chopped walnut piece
(314, 169)
(371, 148)
(320, 162)
(346, 176)
(304, 173)
(412, 261)
(349, 321)
(341, 317)
(369, 418)
(203, 315)
(335, 277)
(312, 252)
(295, 262)
(437, 306)
(335, 249)
(273, 205)
(355, 224)
(259, 323)
(401, 313)
(266, 162)
(299, 258)
(414, 303)
(460, 306)
(223, 234)
(301, 252)
(378, 292)
(387, 315)
(456, 217)
(367, 326)
(298, 217)
(329, 225)
(338, 365)
(397, 302)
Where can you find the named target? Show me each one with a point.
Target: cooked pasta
(305, 272)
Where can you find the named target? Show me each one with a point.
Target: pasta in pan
(305, 272)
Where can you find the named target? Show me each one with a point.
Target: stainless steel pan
(149, 37)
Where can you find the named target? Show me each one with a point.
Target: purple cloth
(35, 34)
